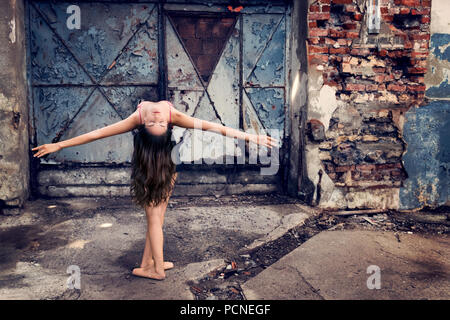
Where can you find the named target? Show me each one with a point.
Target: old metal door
(228, 68)
(217, 65)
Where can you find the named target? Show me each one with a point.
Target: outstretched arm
(182, 120)
(119, 127)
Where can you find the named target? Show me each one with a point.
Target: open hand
(264, 140)
(46, 149)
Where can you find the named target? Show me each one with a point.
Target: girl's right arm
(119, 127)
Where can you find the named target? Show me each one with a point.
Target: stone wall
(14, 157)
(360, 87)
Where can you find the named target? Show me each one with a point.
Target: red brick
(203, 29)
(425, 20)
(408, 45)
(331, 83)
(314, 8)
(342, 1)
(422, 12)
(382, 53)
(339, 50)
(338, 33)
(372, 87)
(326, 8)
(404, 10)
(357, 16)
(365, 167)
(379, 69)
(355, 87)
(319, 16)
(426, 3)
(210, 46)
(417, 70)
(317, 49)
(411, 3)
(360, 52)
(317, 32)
(227, 21)
(329, 41)
(417, 79)
(417, 88)
(186, 29)
(387, 17)
(344, 42)
(422, 36)
(314, 40)
(194, 46)
(312, 24)
(350, 26)
(352, 35)
(325, 1)
(317, 58)
(382, 87)
(334, 58)
(396, 87)
(379, 78)
(344, 168)
(205, 63)
(417, 54)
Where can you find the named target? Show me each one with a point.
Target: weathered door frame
(295, 177)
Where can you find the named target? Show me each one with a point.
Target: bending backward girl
(153, 172)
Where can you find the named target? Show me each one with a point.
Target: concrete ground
(340, 264)
(104, 238)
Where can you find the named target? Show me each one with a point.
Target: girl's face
(156, 120)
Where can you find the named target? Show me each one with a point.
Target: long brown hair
(153, 170)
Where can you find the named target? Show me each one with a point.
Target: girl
(153, 171)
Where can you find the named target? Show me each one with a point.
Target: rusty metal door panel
(86, 79)
(138, 62)
(223, 88)
(97, 113)
(106, 27)
(212, 96)
(269, 105)
(264, 63)
(52, 62)
(126, 98)
(257, 103)
(54, 108)
(270, 67)
(257, 30)
(181, 74)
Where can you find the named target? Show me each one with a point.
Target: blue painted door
(243, 86)
(221, 66)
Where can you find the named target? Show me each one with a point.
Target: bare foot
(149, 273)
(167, 265)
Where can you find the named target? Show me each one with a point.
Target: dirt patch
(225, 283)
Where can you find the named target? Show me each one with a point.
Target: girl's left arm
(182, 120)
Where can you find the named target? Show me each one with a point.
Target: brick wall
(204, 38)
(376, 78)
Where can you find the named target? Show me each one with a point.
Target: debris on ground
(224, 284)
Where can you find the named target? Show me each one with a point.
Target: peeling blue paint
(427, 160)
(270, 69)
(269, 106)
(439, 46)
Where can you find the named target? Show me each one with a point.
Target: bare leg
(154, 241)
(154, 226)
(147, 258)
